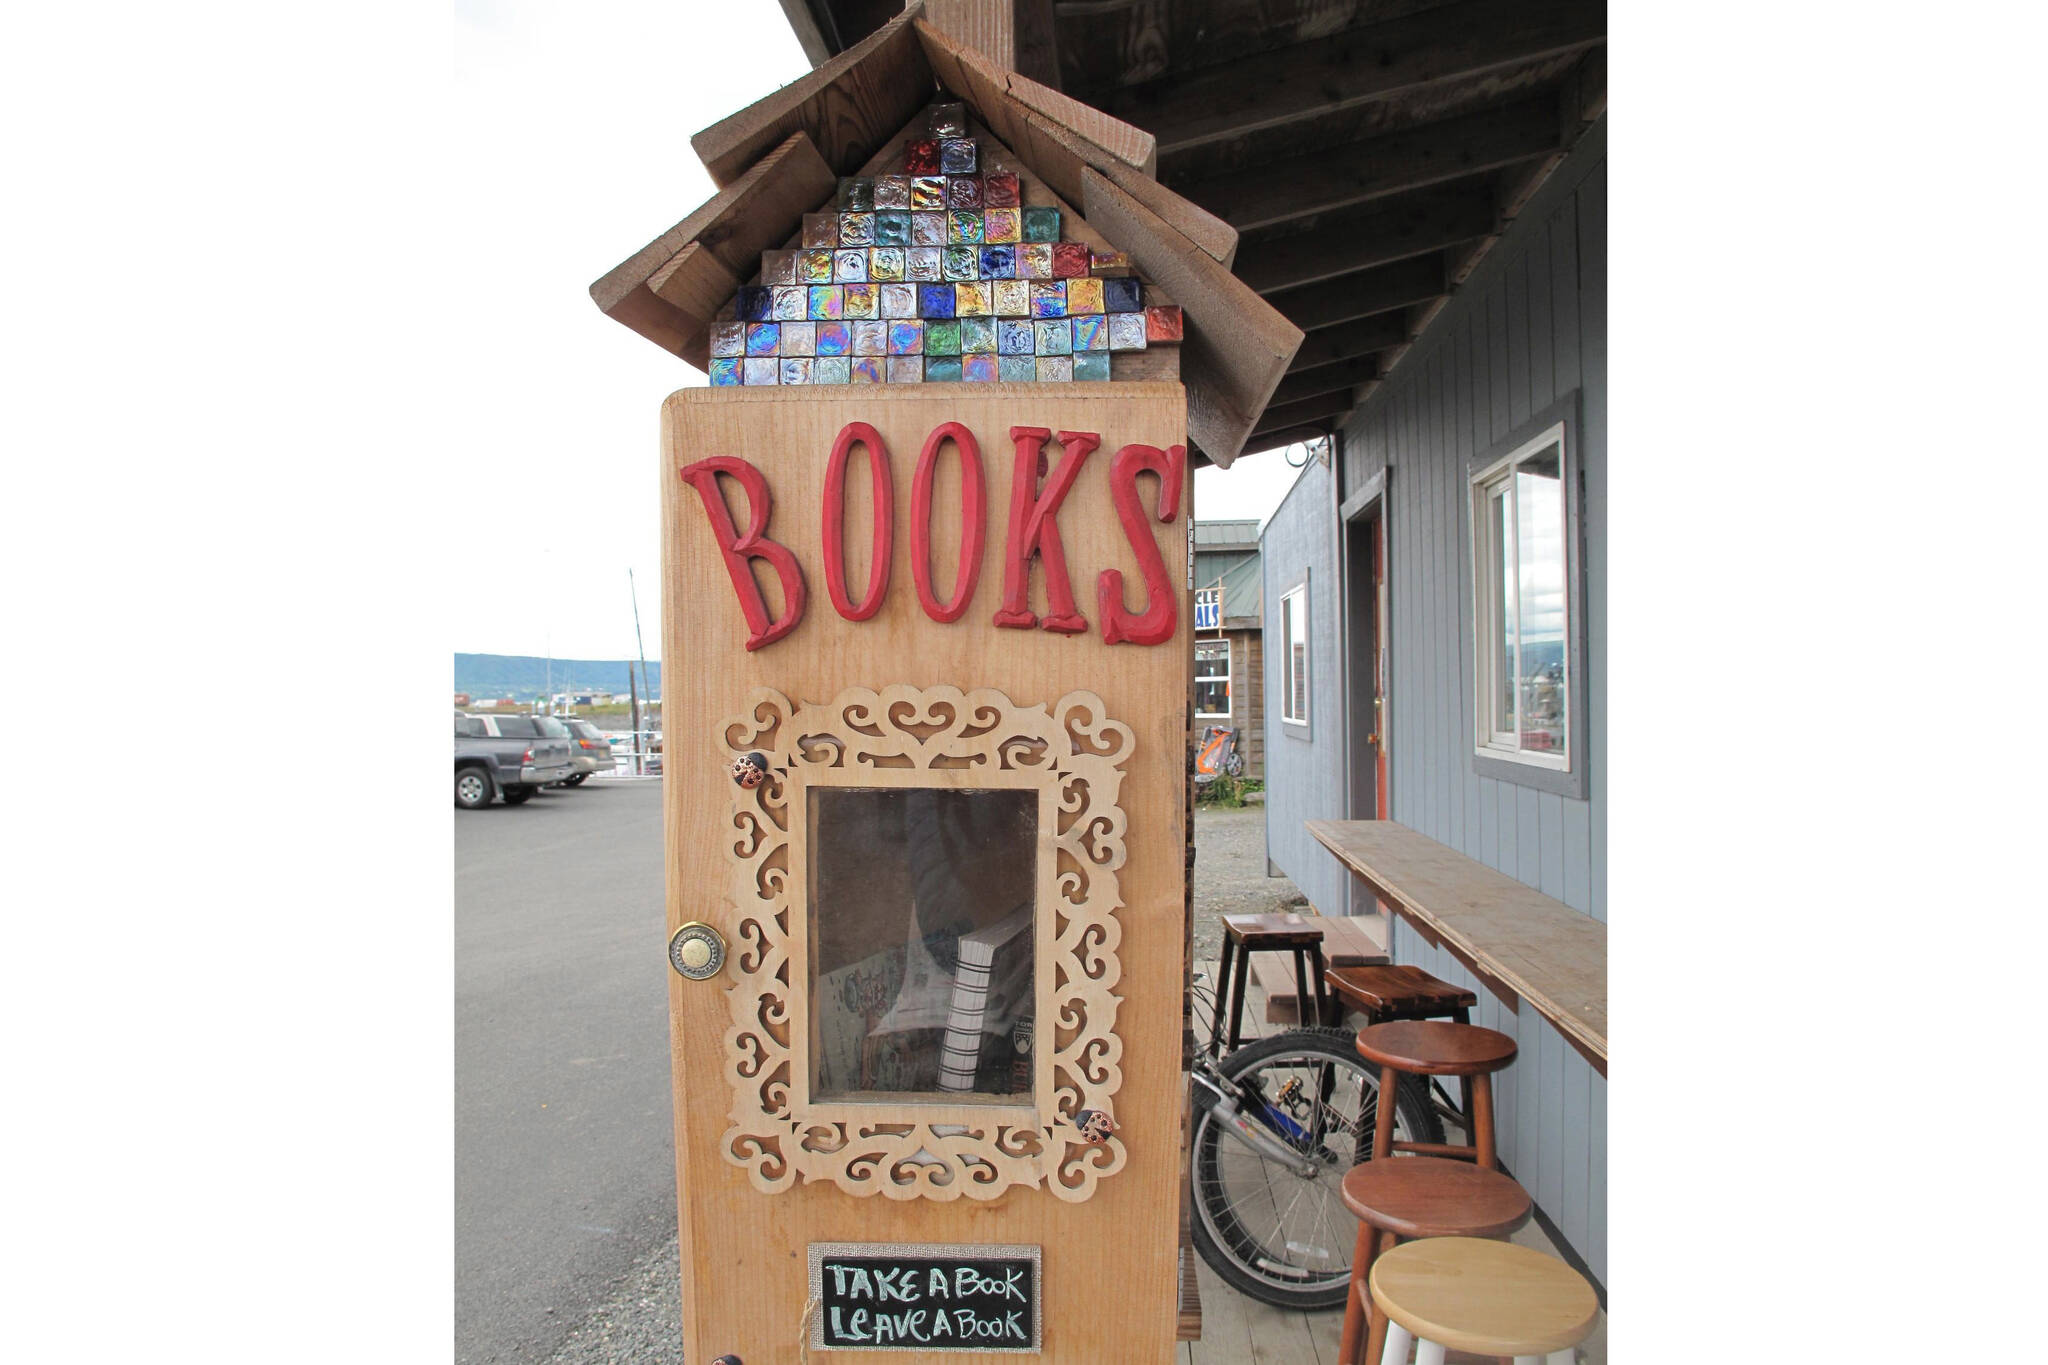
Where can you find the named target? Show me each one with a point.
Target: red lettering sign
(973, 522)
(738, 549)
(1154, 625)
(853, 434)
(1035, 531)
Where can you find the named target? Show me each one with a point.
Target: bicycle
(1278, 1122)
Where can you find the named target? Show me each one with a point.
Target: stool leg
(1376, 1322)
(1362, 1252)
(1428, 1352)
(1222, 998)
(1399, 1339)
(1383, 1122)
(1325, 1015)
(1481, 1119)
(1301, 1019)
(1378, 1328)
(1244, 959)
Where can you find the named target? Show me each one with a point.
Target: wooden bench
(1348, 941)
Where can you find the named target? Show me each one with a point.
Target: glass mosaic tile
(998, 262)
(977, 336)
(1091, 332)
(962, 263)
(827, 301)
(792, 303)
(1051, 336)
(971, 300)
(1055, 369)
(1014, 338)
(941, 369)
(946, 120)
(906, 337)
(821, 229)
(1002, 225)
(1090, 365)
(1108, 262)
(856, 229)
(935, 300)
(870, 336)
(1162, 323)
(886, 263)
(1013, 298)
(866, 369)
(762, 338)
(963, 192)
(829, 370)
(754, 302)
(1126, 331)
(1041, 223)
(906, 369)
(924, 263)
(900, 301)
(1048, 299)
(799, 338)
(921, 156)
(892, 227)
(999, 190)
(859, 301)
(766, 371)
(941, 337)
(978, 369)
(956, 156)
(778, 267)
(1034, 261)
(832, 339)
(927, 229)
(892, 192)
(1084, 296)
(1123, 295)
(850, 265)
(927, 193)
(796, 369)
(857, 194)
(814, 267)
(1069, 259)
(1017, 369)
(728, 338)
(725, 373)
(963, 228)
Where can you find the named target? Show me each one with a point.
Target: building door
(1367, 661)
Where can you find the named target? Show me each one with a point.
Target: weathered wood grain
(1375, 233)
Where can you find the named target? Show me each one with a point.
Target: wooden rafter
(1380, 232)
(1363, 294)
(1349, 340)
(1341, 377)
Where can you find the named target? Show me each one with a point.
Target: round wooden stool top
(1273, 931)
(1491, 1298)
(1436, 1047)
(1429, 1196)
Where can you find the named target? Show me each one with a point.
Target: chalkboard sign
(874, 1296)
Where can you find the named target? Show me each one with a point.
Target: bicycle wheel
(1279, 1237)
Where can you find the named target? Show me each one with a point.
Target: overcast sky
(573, 140)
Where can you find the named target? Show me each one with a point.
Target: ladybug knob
(1095, 1126)
(728, 1360)
(750, 770)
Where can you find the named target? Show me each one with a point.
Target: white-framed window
(1294, 654)
(1522, 605)
(1212, 679)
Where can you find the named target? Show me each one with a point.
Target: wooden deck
(1237, 1330)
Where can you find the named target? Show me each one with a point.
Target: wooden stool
(1385, 993)
(1425, 1047)
(1244, 935)
(1487, 1297)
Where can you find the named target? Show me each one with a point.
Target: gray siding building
(1426, 472)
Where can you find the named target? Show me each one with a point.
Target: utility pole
(638, 640)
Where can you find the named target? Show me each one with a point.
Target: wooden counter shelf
(1522, 944)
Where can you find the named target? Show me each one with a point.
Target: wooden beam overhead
(1381, 166)
(1342, 377)
(849, 106)
(1384, 230)
(804, 24)
(1283, 415)
(1261, 441)
(1368, 292)
(1347, 341)
(1356, 66)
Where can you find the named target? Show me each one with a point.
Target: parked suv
(592, 754)
(506, 755)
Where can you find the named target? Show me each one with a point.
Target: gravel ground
(641, 1322)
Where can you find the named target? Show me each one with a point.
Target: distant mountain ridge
(527, 676)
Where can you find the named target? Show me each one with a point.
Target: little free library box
(926, 543)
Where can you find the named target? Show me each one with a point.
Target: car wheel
(575, 781)
(472, 788)
(519, 796)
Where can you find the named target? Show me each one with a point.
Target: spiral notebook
(990, 989)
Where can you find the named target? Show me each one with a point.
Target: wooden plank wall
(1527, 329)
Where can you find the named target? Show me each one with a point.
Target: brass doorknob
(696, 951)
